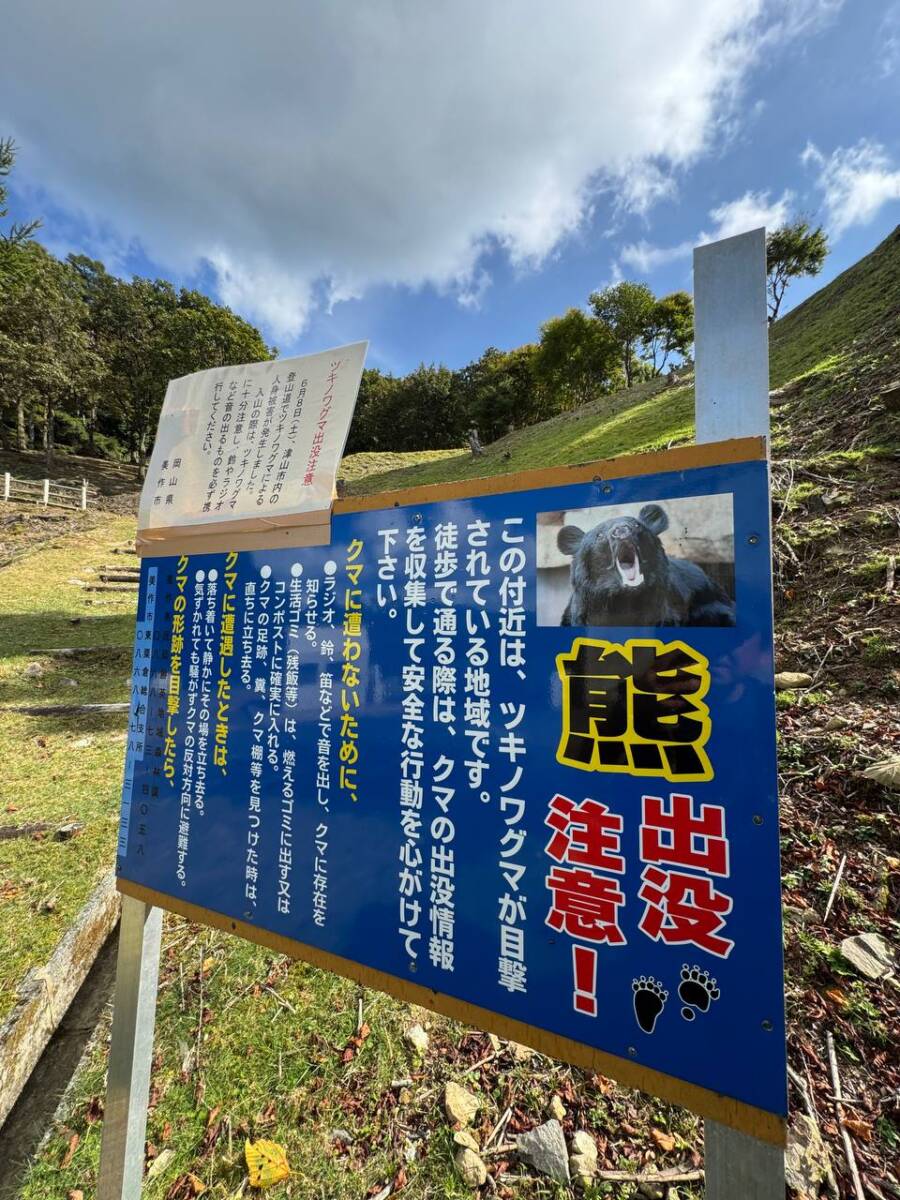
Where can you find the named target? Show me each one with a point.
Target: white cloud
(749, 211)
(887, 49)
(856, 181)
(308, 152)
(645, 258)
(746, 212)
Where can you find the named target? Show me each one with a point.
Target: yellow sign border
(757, 1122)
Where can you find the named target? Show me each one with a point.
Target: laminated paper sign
(256, 445)
(510, 755)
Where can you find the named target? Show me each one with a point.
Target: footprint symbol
(649, 1000)
(696, 991)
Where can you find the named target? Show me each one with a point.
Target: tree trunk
(48, 434)
(92, 424)
(21, 431)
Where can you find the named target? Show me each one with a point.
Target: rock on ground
(806, 1161)
(466, 1138)
(460, 1104)
(471, 1168)
(545, 1149)
(417, 1038)
(582, 1157)
(785, 680)
(870, 954)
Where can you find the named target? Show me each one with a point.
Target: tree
(46, 358)
(792, 251)
(577, 357)
(670, 330)
(499, 391)
(627, 309)
(18, 232)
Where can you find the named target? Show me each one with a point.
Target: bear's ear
(569, 538)
(655, 518)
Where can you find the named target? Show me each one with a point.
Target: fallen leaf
(75, 1194)
(70, 1151)
(12, 808)
(208, 964)
(354, 1044)
(266, 1163)
(861, 1128)
(837, 996)
(198, 1187)
(664, 1140)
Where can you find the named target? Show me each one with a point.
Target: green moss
(878, 649)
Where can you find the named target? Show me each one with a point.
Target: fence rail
(47, 492)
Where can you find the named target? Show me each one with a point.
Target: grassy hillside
(838, 345)
(854, 308)
(647, 417)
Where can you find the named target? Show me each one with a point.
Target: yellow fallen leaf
(266, 1163)
(208, 964)
(198, 1187)
(665, 1141)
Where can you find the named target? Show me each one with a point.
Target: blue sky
(440, 178)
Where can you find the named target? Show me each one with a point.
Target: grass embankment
(56, 770)
(650, 416)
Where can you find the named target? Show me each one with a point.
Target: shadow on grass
(23, 634)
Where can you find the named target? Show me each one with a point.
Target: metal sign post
(130, 1052)
(731, 341)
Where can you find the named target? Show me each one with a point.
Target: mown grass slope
(58, 770)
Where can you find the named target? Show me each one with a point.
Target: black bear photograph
(623, 572)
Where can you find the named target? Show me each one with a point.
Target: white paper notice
(263, 441)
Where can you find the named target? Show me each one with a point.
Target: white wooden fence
(45, 492)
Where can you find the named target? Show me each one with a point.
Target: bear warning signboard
(503, 748)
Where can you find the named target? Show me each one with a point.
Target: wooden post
(83, 494)
(46, 492)
(731, 344)
(6, 483)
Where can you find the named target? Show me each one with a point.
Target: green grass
(57, 770)
(853, 306)
(259, 1042)
(647, 417)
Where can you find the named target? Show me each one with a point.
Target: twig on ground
(672, 1175)
(481, 1062)
(281, 1000)
(497, 1131)
(834, 888)
(838, 1108)
(810, 1108)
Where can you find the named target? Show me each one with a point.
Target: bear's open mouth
(628, 564)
